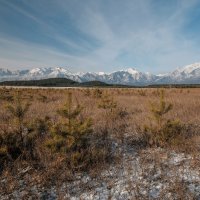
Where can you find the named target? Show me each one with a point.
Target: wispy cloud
(103, 35)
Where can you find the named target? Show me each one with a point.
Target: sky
(154, 36)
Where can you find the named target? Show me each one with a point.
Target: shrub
(159, 110)
(164, 131)
(87, 92)
(20, 137)
(97, 93)
(107, 103)
(142, 92)
(114, 119)
(71, 137)
(42, 98)
(18, 111)
(15, 138)
(72, 132)
(3, 155)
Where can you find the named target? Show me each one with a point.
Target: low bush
(73, 139)
(161, 131)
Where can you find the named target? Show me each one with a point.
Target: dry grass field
(99, 143)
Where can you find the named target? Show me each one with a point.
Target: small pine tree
(18, 112)
(72, 133)
(165, 131)
(159, 110)
(16, 138)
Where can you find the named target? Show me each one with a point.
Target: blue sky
(99, 35)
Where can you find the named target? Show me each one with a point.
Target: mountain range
(189, 74)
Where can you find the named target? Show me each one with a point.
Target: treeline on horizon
(64, 82)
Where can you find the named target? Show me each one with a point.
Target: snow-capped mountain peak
(189, 68)
(61, 70)
(189, 71)
(129, 76)
(38, 71)
(4, 72)
(101, 73)
(130, 70)
(49, 72)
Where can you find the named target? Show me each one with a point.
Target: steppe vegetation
(100, 143)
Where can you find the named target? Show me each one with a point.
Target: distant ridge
(63, 82)
(58, 82)
(51, 82)
(189, 74)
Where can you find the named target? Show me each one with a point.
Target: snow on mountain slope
(5, 72)
(187, 74)
(187, 71)
(130, 76)
(131, 71)
(38, 73)
(190, 68)
(48, 72)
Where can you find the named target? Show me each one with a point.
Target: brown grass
(122, 119)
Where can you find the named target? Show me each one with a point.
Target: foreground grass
(58, 137)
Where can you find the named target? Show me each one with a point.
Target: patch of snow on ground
(150, 174)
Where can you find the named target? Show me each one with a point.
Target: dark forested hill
(58, 82)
